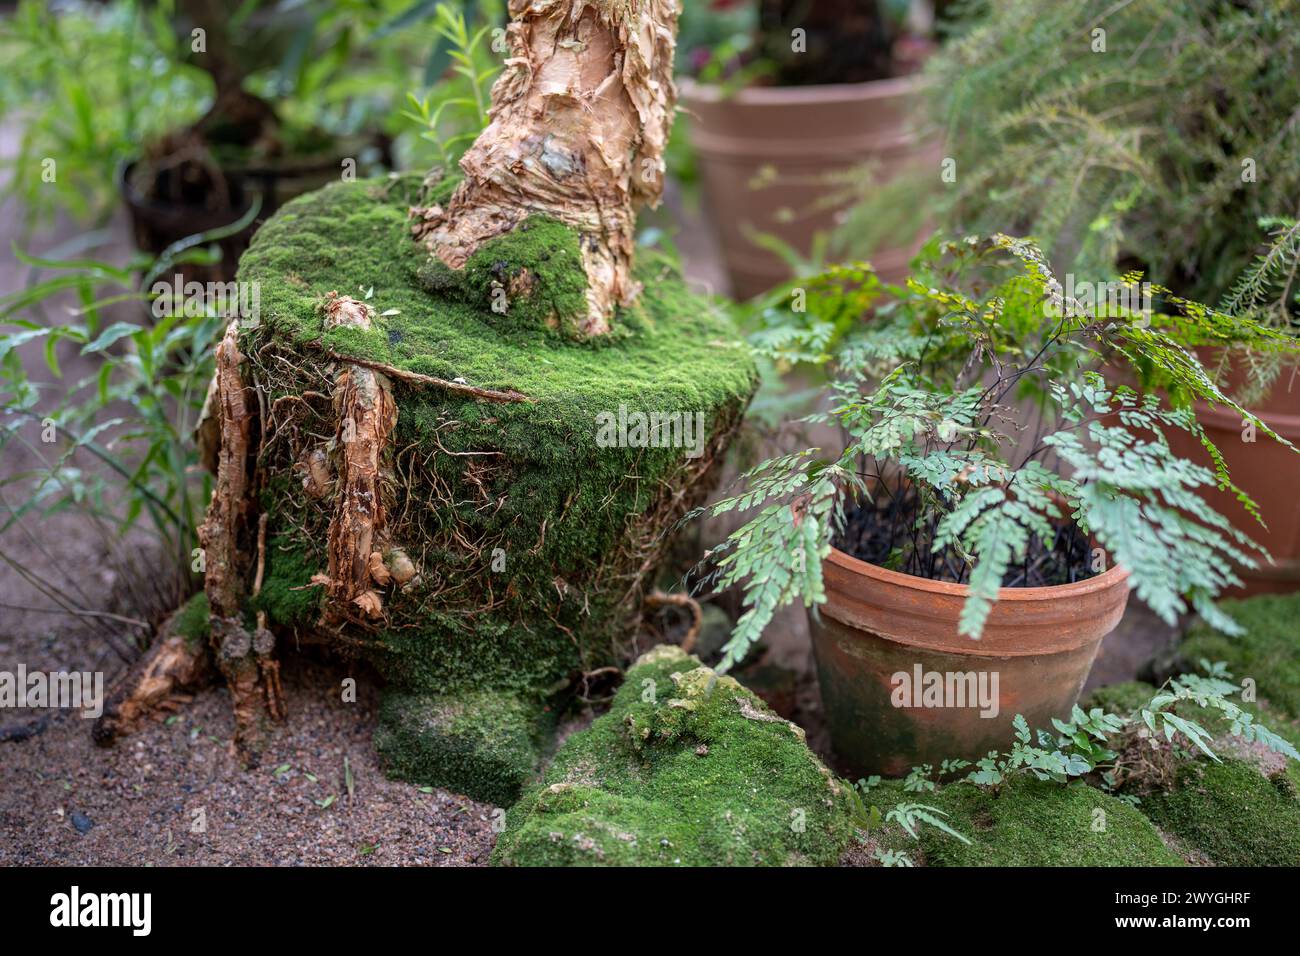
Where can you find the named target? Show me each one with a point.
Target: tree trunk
(579, 124)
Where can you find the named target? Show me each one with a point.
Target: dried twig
(416, 378)
(658, 599)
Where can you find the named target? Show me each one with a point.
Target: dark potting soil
(884, 532)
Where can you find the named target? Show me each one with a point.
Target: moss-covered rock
(687, 768)
(1232, 812)
(1031, 822)
(1267, 653)
(485, 744)
(529, 534)
(1242, 811)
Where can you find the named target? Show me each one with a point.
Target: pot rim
(1052, 592)
(805, 95)
(132, 197)
(1216, 415)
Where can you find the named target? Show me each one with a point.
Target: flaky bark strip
(366, 415)
(579, 123)
(175, 665)
(220, 535)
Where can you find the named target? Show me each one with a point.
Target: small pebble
(82, 822)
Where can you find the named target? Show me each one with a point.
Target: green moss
(687, 768)
(483, 744)
(1122, 698)
(530, 277)
(287, 597)
(1233, 813)
(1040, 823)
(192, 621)
(1268, 653)
(474, 484)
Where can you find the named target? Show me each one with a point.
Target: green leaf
(110, 335)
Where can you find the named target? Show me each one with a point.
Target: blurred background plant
(1139, 135)
(89, 86)
(453, 115)
(116, 445)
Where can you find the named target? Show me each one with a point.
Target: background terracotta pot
(1040, 642)
(805, 134)
(1268, 471)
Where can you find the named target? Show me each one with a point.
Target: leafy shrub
(116, 446)
(1154, 134)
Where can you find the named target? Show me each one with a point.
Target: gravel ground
(65, 801)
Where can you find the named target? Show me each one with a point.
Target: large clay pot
(806, 134)
(1266, 470)
(877, 624)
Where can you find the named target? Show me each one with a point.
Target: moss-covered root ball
(453, 484)
(687, 769)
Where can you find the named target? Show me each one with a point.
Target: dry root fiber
(580, 120)
(366, 415)
(245, 660)
(174, 667)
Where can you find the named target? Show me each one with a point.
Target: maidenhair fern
(931, 395)
(1091, 744)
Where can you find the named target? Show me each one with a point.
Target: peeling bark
(366, 415)
(579, 123)
(174, 667)
(225, 536)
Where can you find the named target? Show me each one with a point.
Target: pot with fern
(790, 103)
(995, 500)
(1160, 138)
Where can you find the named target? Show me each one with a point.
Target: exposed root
(598, 686)
(415, 378)
(1146, 763)
(658, 599)
(651, 535)
(174, 666)
(365, 417)
(224, 536)
(580, 121)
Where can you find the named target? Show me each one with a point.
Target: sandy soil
(65, 801)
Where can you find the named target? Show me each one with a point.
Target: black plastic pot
(156, 225)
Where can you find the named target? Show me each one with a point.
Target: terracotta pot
(1267, 471)
(806, 134)
(1035, 654)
